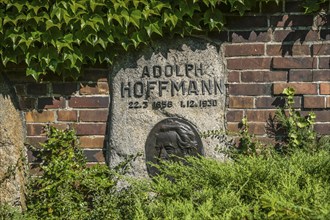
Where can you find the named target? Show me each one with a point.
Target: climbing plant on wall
(57, 36)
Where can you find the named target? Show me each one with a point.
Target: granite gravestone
(162, 99)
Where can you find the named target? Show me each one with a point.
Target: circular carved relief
(171, 139)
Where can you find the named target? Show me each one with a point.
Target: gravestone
(162, 99)
(12, 149)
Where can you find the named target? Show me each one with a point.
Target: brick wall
(269, 49)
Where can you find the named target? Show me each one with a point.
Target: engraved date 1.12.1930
(198, 103)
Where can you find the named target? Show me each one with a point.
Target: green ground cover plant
(254, 183)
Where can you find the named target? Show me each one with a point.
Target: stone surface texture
(11, 149)
(155, 68)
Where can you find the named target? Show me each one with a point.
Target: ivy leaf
(135, 17)
(154, 28)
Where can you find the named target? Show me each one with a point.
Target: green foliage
(295, 187)
(67, 188)
(298, 130)
(61, 36)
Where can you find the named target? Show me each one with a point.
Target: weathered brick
(94, 155)
(300, 88)
(322, 128)
(51, 103)
(321, 49)
(37, 89)
(321, 115)
(301, 75)
(64, 88)
(321, 75)
(291, 36)
(234, 116)
(314, 102)
(274, 102)
(89, 102)
(94, 88)
(291, 20)
(233, 76)
(35, 170)
(256, 128)
(287, 50)
(45, 116)
(324, 63)
(246, 22)
(240, 102)
(33, 156)
(325, 88)
(244, 50)
(249, 36)
(263, 76)
(91, 142)
(90, 129)
(294, 63)
(259, 115)
(26, 103)
(95, 74)
(35, 129)
(93, 115)
(249, 89)
(67, 115)
(35, 141)
(20, 89)
(328, 101)
(248, 63)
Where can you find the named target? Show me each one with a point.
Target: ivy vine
(59, 36)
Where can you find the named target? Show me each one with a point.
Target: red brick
(250, 36)
(244, 50)
(93, 115)
(248, 63)
(301, 76)
(45, 116)
(51, 103)
(321, 115)
(67, 115)
(27, 103)
(254, 127)
(246, 22)
(90, 129)
(294, 63)
(234, 116)
(324, 63)
(89, 102)
(94, 88)
(321, 75)
(263, 76)
(240, 102)
(35, 129)
(325, 88)
(233, 76)
(291, 36)
(321, 49)
(274, 102)
(300, 88)
(91, 142)
(35, 141)
(64, 88)
(291, 20)
(37, 89)
(287, 49)
(249, 89)
(259, 115)
(20, 89)
(322, 128)
(94, 155)
(328, 102)
(314, 102)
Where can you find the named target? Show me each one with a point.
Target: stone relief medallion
(171, 139)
